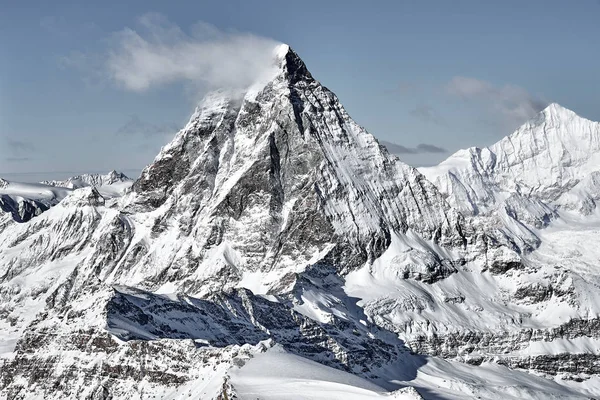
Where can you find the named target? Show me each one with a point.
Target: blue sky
(434, 73)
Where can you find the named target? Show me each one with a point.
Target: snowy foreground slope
(274, 249)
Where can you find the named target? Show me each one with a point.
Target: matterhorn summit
(279, 177)
(274, 237)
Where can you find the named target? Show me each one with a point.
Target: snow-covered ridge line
(547, 158)
(84, 180)
(26, 200)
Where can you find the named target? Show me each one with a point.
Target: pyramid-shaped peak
(292, 64)
(553, 114)
(281, 50)
(556, 111)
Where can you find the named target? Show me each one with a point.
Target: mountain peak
(292, 64)
(556, 111)
(546, 156)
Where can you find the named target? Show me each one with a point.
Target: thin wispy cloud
(19, 146)
(430, 148)
(157, 52)
(427, 113)
(404, 88)
(17, 159)
(422, 148)
(19, 150)
(512, 102)
(135, 126)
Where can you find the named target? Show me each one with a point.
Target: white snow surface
(24, 201)
(35, 191)
(276, 374)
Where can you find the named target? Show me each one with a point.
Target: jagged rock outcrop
(283, 176)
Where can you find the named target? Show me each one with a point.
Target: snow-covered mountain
(112, 184)
(84, 180)
(549, 166)
(23, 201)
(553, 158)
(273, 233)
(534, 191)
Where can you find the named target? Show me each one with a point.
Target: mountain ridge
(24, 201)
(95, 179)
(546, 157)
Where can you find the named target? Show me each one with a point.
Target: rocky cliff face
(273, 218)
(22, 209)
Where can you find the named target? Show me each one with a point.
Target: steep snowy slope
(276, 374)
(260, 187)
(273, 219)
(533, 191)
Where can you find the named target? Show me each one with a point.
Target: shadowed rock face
(239, 317)
(22, 210)
(188, 336)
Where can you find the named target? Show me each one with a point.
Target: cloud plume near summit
(158, 52)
